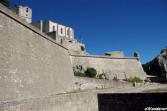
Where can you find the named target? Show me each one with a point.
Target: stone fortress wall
(38, 25)
(118, 54)
(84, 83)
(85, 101)
(119, 67)
(33, 67)
(31, 63)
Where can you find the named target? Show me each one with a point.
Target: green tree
(5, 2)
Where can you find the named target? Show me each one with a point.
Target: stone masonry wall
(85, 101)
(90, 83)
(114, 67)
(31, 64)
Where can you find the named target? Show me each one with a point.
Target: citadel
(38, 61)
(80, 59)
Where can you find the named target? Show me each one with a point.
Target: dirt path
(153, 87)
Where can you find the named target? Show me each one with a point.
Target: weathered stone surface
(90, 83)
(75, 47)
(33, 67)
(86, 101)
(158, 66)
(121, 68)
(31, 64)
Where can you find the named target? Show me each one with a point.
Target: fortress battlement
(34, 66)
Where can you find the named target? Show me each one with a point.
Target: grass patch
(134, 79)
(155, 90)
(79, 74)
(81, 90)
(73, 91)
(146, 80)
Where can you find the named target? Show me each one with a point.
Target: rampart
(35, 70)
(31, 63)
(115, 54)
(85, 101)
(120, 67)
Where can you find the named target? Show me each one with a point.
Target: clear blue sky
(109, 25)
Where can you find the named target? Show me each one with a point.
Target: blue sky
(109, 25)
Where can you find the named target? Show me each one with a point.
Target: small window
(53, 28)
(82, 48)
(61, 31)
(27, 10)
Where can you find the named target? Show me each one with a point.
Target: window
(53, 28)
(82, 48)
(27, 10)
(61, 31)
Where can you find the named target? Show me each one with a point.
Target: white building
(55, 30)
(61, 31)
(24, 12)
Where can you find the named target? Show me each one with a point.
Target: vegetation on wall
(79, 74)
(147, 80)
(5, 2)
(102, 76)
(115, 78)
(134, 79)
(90, 72)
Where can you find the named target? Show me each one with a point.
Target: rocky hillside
(158, 66)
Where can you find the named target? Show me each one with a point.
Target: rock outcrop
(158, 66)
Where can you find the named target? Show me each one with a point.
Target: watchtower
(24, 12)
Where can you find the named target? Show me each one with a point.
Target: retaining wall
(68, 102)
(115, 67)
(90, 83)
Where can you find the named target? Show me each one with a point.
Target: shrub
(90, 72)
(115, 78)
(147, 80)
(100, 76)
(79, 74)
(134, 79)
